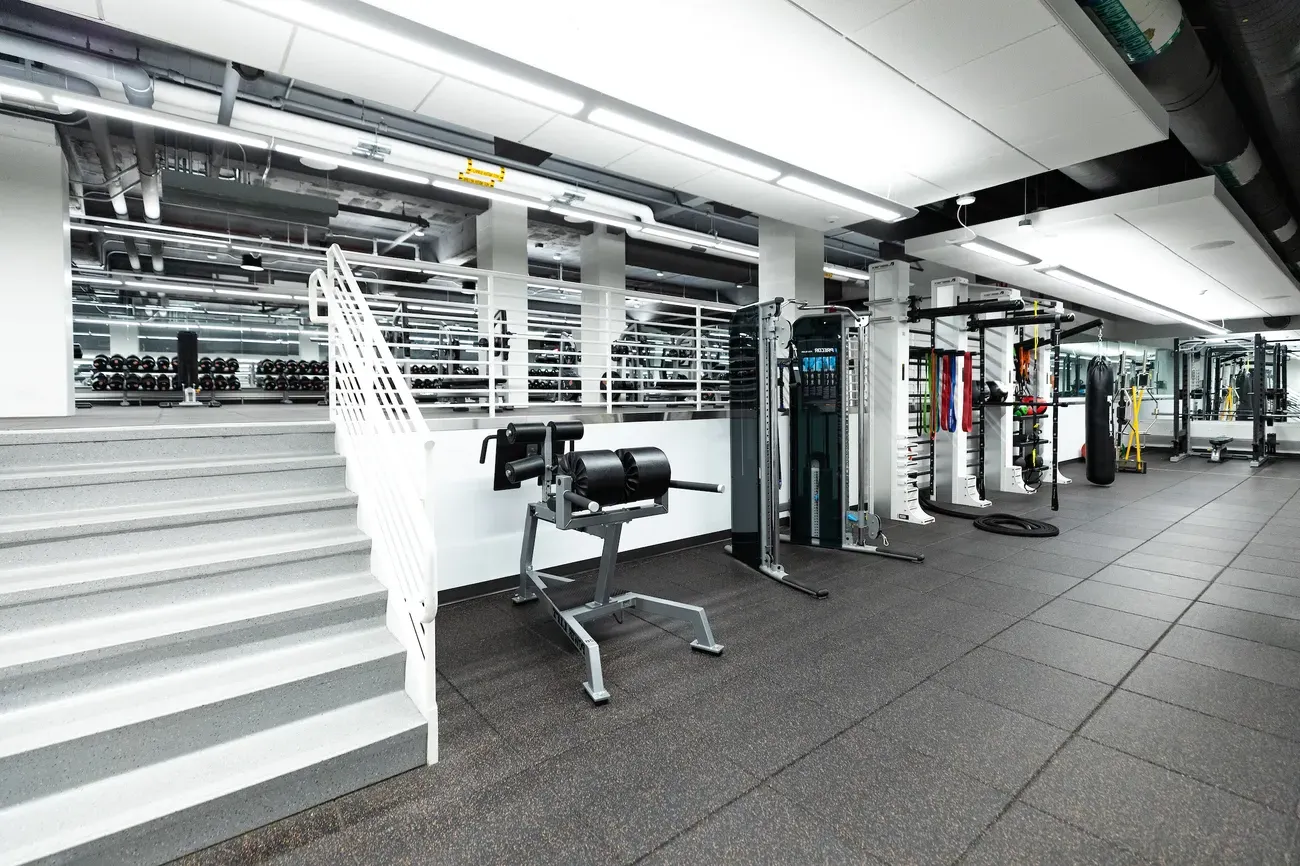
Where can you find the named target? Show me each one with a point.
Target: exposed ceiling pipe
(229, 91)
(75, 175)
(405, 236)
(1168, 57)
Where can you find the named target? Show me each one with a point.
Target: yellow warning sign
(482, 177)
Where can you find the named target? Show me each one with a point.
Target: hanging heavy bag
(1097, 421)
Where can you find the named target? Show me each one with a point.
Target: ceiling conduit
(1156, 40)
(1262, 37)
(139, 89)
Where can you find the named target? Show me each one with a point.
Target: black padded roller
(566, 431)
(525, 434)
(525, 468)
(597, 475)
(648, 473)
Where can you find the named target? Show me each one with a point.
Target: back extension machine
(595, 492)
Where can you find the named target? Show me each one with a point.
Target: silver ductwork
(1168, 57)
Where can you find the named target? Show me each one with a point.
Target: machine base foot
(597, 698)
(519, 599)
(714, 650)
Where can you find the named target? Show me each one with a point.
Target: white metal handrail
(381, 432)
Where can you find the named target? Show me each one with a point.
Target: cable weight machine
(828, 390)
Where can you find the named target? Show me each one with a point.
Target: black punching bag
(1097, 418)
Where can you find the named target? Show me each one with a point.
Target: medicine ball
(100, 363)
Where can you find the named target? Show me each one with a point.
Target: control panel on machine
(819, 374)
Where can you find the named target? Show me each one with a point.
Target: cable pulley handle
(582, 502)
(698, 486)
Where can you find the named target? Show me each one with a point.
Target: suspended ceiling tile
(1047, 61)
(916, 191)
(1097, 139)
(926, 38)
(1071, 109)
(223, 29)
(581, 142)
(84, 8)
(1006, 167)
(660, 166)
(474, 107)
(848, 16)
(323, 60)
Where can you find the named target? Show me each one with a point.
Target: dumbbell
(233, 383)
(278, 367)
(219, 366)
(100, 364)
(99, 383)
(232, 365)
(117, 362)
(219, 382)
(133, 363)
(268, 383)
(205, 365)
(281, 383)
(132, 382)
(148, 364)
(117, 382)
(164, 364)
(148, 382)
(205, 381)
(164, 382)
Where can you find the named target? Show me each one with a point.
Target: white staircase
(191, 642)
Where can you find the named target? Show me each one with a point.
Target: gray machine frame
(605, 523)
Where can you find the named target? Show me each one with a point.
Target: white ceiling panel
(84, 8)
(847, 16)
(1144, 243)
(328, 62)
(469, 105)
(223, 29)
(660, 166)
(1046, 61)
(763, 198)
(581, 141)
(1071, 109)
(990, 172)
(926, 38)
(1101, 137)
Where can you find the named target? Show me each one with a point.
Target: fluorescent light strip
(158, 119)
(16, 91)
(846, 273)
(289, 254)
(626, 225)
(862, 202)
(483, 192)
(998, 251)
(733, 249)
(363, 165)
(203, 326)
(671, 140)
(82, 227)
(1083, 281)
(171, 239)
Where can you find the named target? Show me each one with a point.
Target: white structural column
(1000, 422)
(124, 339)
(950, 334)
(503, 246)
(36, 292)
(893, 449)
(604, 263)
(791, 262)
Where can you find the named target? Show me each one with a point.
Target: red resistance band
(945, 373)
(967, 393)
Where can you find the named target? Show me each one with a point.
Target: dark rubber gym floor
(1126, 693)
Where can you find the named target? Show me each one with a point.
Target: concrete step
(106, 732)
(164, 810)
(47, 653)
(64, 538)
(269, 558)
(64, 449)
(27, 492)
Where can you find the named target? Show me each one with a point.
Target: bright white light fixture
(671, 140)
(737, 250)
(493, 194)
(862, 202)
(183, 240)
(588, 216)
(1083, 281)
(288, 254)
(368, 166)
(16, 91)
(95, 281)
(82, 227)
(846, 273)
(1001, 252)
(158, 119)
(360, 32)
(692, 240)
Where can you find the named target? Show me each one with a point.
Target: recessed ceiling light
(252, 263)
(680, 143)
(998, 251)
(660, 274)
(862, 202)
(1083, 281)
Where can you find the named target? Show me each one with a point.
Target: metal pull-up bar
(970, 308)
(1016, 321)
